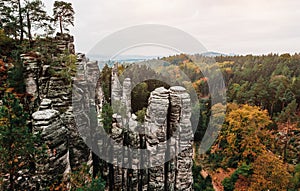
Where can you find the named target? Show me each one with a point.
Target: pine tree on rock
(36, 17)
(63, 13)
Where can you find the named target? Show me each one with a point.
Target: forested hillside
(259, 143)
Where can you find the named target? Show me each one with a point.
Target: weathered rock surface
(116, 87)
(54, 135)
(30, 80)
(79, 153)
(65, 42)
(31, 77)
(156, 136)
(180, 114)
(55, 116)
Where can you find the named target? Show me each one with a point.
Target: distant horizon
(141, 56)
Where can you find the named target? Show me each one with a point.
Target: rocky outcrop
(59, 91)
(126, 98)
(116, 87)
(65, 42)
(166, 135)
(79, 153)
(31, 76)
(31, 72)
(54, 135)
(53, 116)
(38, 80)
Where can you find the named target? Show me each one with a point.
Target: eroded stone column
(180, 114)
(156, 134)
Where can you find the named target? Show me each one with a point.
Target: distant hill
(102, 60)
(213, 54)
(122, 58)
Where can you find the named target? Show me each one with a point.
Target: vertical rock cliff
(53, 116)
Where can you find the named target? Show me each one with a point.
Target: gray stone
(54, 135)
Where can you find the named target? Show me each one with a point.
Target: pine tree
(11, 16)
(36, 17)
(63, 14)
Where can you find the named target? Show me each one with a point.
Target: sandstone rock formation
(165, 135)
(65, 42)
(54, 116)
(54, 135)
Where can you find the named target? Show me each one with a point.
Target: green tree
(21, 24)
(11, 16)
(106, 116)
(16, 142)
(277, 87)
(296, 88)
(140, 95)
(288, 116)
(296, 178)
(6, 44)
(289, 113)
(36, 17)
(63, 13)
(243, 170)
(259, 93)
(201, 183)
(105, 80)
(141, 115)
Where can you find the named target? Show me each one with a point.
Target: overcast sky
(226, 26)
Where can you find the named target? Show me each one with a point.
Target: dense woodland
(258, 147)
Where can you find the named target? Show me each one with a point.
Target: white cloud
(239, 26)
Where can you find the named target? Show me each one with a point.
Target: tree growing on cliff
(63, 13)
(36, 17)
(107, 113)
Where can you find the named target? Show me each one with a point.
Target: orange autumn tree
(244, 135)
(269, 173)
